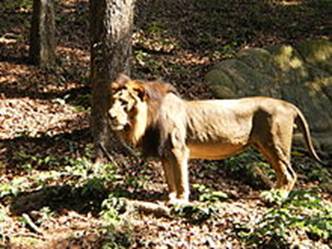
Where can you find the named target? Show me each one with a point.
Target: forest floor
(51, 195)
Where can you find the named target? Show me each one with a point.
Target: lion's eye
(123, 102)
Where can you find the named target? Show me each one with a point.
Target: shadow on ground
(85, 199)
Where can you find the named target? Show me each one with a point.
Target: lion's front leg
(177, 176)
(169, 177)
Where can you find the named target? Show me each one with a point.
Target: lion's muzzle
(118, 117)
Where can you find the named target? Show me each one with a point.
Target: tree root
(158, 210)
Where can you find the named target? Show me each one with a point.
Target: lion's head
(135, 106)
(129, 111)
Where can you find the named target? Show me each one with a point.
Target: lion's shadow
(84, 199)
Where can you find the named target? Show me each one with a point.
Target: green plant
(108, 172)
(45, 214)
(208, 195)
(196, 213)
(17, 5)
(81, 103)
(156, 28)
(318, 173)
(28, 161)
(147, 61)
(274, 196)
(137, 180)
(112, 207)
(302, 214)
(92, 179)
(13, 187)
(117, 233)
(117, 240)
(93, 187)
(21, 184)
(79, 167)
(250, 168)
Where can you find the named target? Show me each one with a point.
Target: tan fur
(176, 130)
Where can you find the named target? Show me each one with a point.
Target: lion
(153, 117)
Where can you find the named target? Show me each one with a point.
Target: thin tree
(111, 31)
(42, 33)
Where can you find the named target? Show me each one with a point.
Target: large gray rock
(301, 74)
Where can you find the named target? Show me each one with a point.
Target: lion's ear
(141, 93)
(122, 79)
(115, 86)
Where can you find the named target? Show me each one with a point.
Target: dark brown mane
(156, 91)
(153, 93)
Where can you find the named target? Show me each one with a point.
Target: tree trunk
(111, 30)
(42, 33)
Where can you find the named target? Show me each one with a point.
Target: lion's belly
(214, 151)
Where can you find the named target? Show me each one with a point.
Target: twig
(129, 149)
(263, 177)
(108, 155)
(27, 234)
(150, 208)
(32, 225)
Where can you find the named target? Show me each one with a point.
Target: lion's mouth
(118, 127)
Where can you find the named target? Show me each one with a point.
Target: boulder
(300, 74)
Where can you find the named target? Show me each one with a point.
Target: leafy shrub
(117, 232)
(13, 187)
(118, 240)
(208, 195)
(303, 214)
(112, 207)
(86, 171)
(93, 187)
(313, 171)
(249, 167)
(195, 213)
(274, 196)
(29, 161)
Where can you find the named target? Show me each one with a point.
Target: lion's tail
(302, 124)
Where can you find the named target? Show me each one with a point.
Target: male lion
(151, 115)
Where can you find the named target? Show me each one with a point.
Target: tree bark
(42, 33)
(111, 31)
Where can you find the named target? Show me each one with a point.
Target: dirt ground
(50, 197)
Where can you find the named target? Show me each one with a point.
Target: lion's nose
(111, 115)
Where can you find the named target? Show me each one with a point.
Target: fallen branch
(28, 234)
(32, 225)
(159, 210)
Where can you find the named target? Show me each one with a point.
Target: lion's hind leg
(280, 162)
(272, 136)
